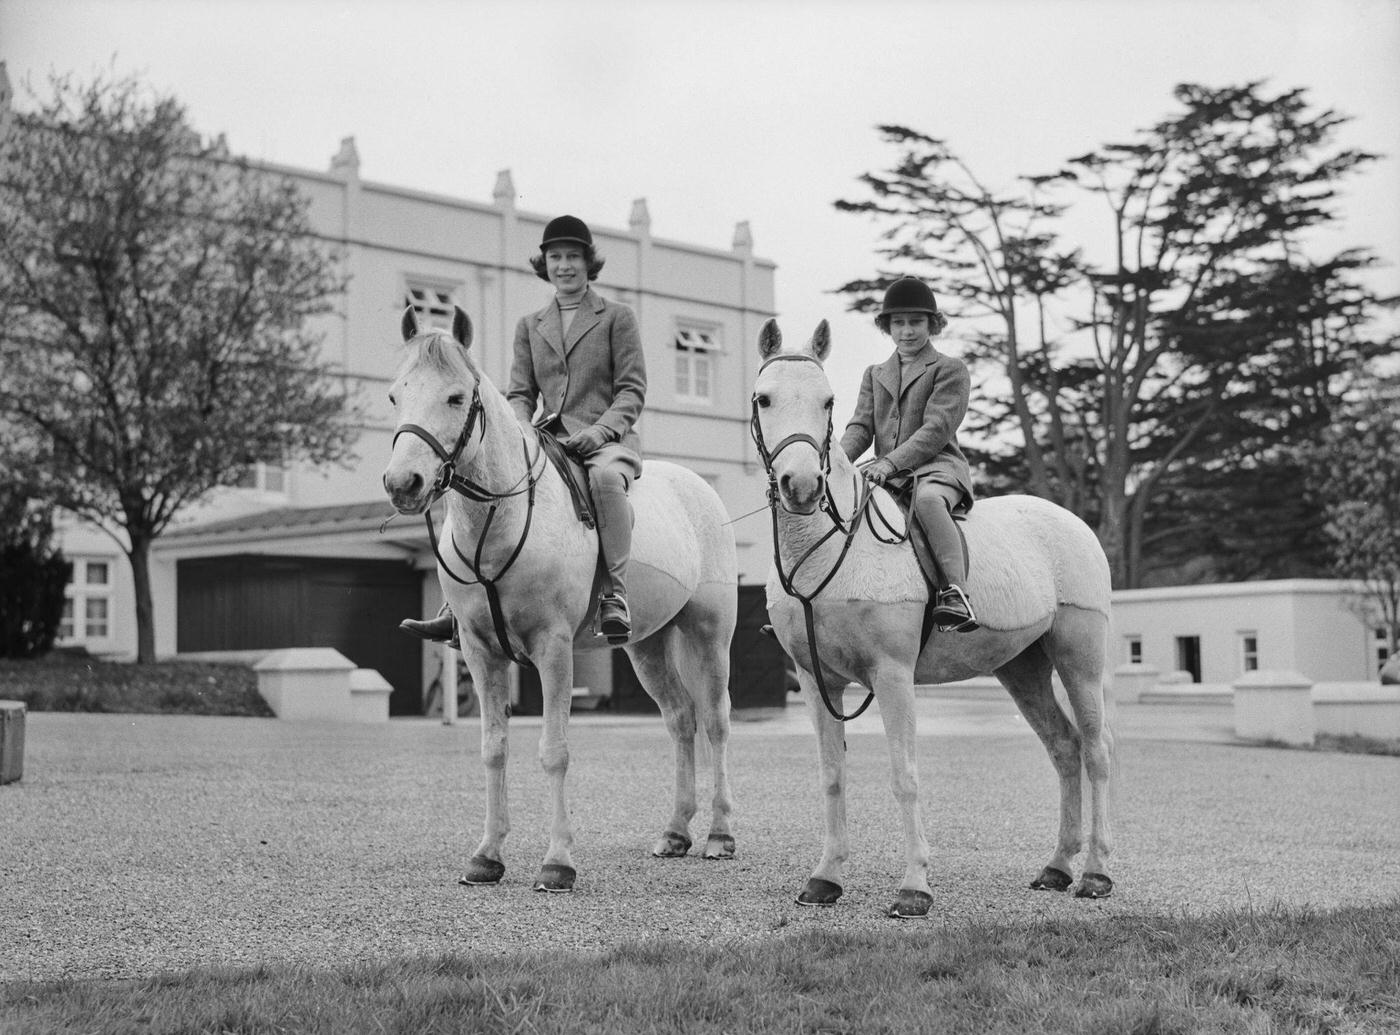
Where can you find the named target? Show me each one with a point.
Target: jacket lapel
(887, 373)
(551, 329)
(585, 319)
(918, 367)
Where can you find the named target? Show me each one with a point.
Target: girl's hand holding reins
(588, 441)
(877, 471)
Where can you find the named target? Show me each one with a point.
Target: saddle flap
(570, 470)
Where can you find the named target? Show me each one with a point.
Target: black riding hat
(566, 228)
(908, 295)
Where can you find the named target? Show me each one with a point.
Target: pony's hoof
(1094, 885)
(719, 846)
(671, 846)
(819, 892)
(910, 904)
(1052, 879)
(555, 878)
(481, 870)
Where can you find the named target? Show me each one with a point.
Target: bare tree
(155, 293)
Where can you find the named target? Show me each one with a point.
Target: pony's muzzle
(407, 491)
(801, 492)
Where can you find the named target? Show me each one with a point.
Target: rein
(847, 528)
(449, 479)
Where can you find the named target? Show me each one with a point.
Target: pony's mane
(444, 354)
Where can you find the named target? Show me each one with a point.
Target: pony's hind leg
(654, 661)
(705, 628)
(1077, 646)
(1027, 678)
(487, 865)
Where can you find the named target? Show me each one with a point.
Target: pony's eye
(761, 399)
(456, 398)
(392, 400)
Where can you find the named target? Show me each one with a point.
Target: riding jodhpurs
(614, 514)
(932, 511)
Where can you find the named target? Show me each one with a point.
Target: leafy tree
(1159, 360)
(154, 294)
(1356, 476)
(33, 573)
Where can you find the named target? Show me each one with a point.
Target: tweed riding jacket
(594, 374)
(914, 426)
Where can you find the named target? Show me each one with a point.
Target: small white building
(1320, 628)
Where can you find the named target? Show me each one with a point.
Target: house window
(1382, 645)
(1133, 649)
(433, 302)
(696, 349)
(264, 478)
(87, 603)
(1249, 652)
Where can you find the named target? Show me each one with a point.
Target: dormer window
(697, 348)
(433, 302)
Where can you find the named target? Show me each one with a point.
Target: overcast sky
(758, 110)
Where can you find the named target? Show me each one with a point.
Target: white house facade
(298, 556)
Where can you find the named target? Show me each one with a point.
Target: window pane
(65, 626)
(702, 376)
(97, 573)
(96, 614)
(682, 374)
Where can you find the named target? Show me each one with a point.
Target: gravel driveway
(140, 844)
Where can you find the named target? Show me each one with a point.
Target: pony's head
(791, 424)
(437, 400)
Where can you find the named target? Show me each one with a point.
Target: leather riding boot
(442, 629)
(952, 610)
(614, 513)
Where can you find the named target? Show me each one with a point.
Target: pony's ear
(770, 339)
(461, 327)
(821, 341)
(409, 324)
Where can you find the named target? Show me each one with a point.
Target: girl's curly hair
(936, 323)
(590, 256)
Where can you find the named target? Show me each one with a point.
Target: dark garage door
(257, 602)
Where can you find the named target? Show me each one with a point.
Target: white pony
(1039, 582)
(518, 566)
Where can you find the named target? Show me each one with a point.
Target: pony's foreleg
(894, 689)
(824, 886)
(487, 865)
(555, 664)
(654, 661)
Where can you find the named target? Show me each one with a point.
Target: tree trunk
(140, 557)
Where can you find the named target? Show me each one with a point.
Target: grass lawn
(1276, 971)
(76, 682)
